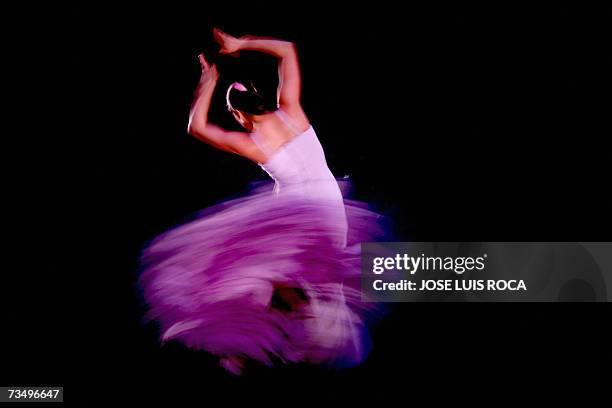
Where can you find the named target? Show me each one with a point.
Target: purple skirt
(264, 278)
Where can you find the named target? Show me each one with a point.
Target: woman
(273, 276)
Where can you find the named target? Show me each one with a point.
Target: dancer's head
(246, 103)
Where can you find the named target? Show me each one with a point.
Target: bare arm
(289, 70)
(235, 142)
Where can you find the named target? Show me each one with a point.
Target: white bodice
(299, 167)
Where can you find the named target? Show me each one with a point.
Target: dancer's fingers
(202, 60)
(225, 40)
(219, 35)
(211, 71)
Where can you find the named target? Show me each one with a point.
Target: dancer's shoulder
(296, 116)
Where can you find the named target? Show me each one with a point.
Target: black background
(461, 123)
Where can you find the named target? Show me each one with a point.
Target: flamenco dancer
(273, 276)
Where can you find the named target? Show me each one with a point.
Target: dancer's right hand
(229, 44)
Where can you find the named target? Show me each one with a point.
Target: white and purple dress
(213, 283)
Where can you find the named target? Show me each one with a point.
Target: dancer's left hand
(209, 71)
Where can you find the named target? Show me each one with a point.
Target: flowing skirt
(264, 277)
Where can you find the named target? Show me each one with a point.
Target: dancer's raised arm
(289, 70)
(235, 142)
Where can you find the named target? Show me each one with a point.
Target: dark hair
(246, 98)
